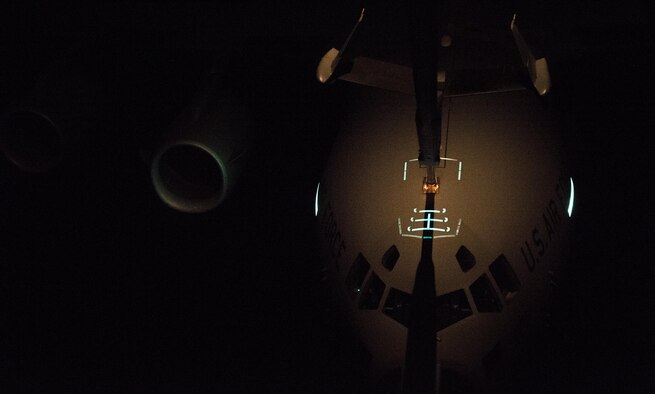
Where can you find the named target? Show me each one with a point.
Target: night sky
(103, 288)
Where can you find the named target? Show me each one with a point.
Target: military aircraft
(499, 169)
(441, 262)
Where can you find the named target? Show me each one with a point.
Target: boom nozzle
(430, 182)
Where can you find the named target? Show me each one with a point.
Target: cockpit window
(372, 294)
(451, 308)
(390, 257)
(505, 277)
(397, 306)
(465, 258)
(356, 276)
(484, 295)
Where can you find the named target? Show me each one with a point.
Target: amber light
(430, 187)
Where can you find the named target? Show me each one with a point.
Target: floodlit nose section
(189, 177)
(30, 140)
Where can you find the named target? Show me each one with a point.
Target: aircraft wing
(501, 65)
(379, 74)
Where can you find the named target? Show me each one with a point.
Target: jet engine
(62, 115)
(67, 114)
(196, 162)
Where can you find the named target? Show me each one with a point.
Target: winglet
(325, 68)
(538, 68)
(330, 62)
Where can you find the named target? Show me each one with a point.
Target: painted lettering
(529, 262)
(549, 227)
(538, 242)
(554, 213)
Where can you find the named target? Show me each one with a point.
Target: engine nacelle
(196, 163)
(63, 115)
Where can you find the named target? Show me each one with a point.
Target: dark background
(105, 289)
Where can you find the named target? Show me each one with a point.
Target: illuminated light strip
(429, 210)
(447, 229)
(413, 159)
(410, 229)
(431, 220)
(405, 172)
(459, 166)
(316, 200)
(570, 208)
